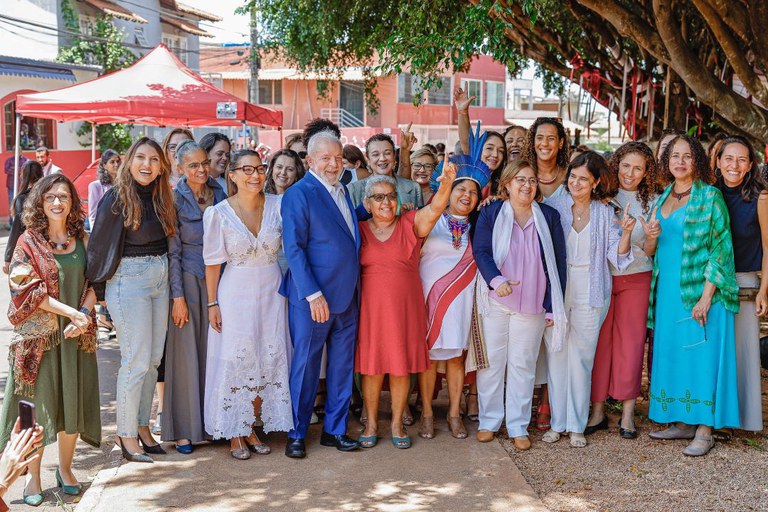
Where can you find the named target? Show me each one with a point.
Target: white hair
(378, 179)
(319, 138)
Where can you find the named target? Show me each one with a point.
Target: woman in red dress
(392, 335)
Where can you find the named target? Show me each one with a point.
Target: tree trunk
(676, 101)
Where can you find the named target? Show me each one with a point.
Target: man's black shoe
(295, 449)
(343, 443)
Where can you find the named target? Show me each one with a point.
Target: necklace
(580, 214)
(542, 181)
(681, 195)
(57, 246)
(458, 227)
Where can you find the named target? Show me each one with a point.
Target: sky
(233, 29)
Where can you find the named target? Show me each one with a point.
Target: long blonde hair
(162, 197)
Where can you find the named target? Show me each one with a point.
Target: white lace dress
(250, 356)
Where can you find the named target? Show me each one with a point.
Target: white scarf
(502, 233)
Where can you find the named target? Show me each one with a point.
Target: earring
(718, 172)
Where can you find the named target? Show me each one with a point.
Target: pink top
(523, 264)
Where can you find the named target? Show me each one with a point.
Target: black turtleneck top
(149, 239)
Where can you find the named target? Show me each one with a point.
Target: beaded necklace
(458, 227)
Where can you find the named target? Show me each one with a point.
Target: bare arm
(427, 217)
(212, 275)
(761, 301)
(407, 141)
(462, 103)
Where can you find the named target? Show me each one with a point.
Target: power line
(178, 17)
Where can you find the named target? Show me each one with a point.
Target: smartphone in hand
(27, 414)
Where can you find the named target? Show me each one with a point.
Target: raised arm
(407, 141)
(427, 217)
(462, 103)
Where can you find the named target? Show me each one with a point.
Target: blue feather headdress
(470, 167)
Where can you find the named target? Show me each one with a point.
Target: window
(440, 95)
(494, 94)
(473, 88)
(87, 24)
(406, 87)
(34, 132)
(270, 92)
(177, 44)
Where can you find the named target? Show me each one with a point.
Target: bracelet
(85, 311)
(214, 303)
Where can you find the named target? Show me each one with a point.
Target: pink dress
(393, 322)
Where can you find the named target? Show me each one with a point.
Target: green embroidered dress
(693, 376)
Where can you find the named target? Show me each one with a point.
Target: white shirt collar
(332, 189)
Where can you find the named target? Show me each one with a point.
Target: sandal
(427, 427)
(543, 417)
(473, 416)
(103, 324)
(550, 436)
(578, 440)
(457, 427)
(368, 441)
(408, 417)
(402, 442)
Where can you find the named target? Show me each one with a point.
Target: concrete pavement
(439, 474)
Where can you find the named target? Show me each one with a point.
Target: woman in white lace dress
(248, 342)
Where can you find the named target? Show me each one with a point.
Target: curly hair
(269, 185)
(649, 186)
(128, 202)
(529, 149)
(34, 217)
(598, 168)
(318, 125)
(701, 169)
(753, 183)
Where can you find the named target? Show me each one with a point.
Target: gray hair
(186, 147)
(319, 138)
(378, 179)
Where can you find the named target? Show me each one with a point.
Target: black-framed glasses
(379, 198)
(428, 167)
(248, 170)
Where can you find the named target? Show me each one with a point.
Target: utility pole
(255, 63)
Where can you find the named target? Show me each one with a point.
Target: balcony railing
(341, 117)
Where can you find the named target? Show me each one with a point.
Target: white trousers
(512, 342)
(747, 327)
(569, 372)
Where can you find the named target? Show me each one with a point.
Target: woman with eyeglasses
(420, 165)
(694, 297)
(52, 355)
(746, 195)
(248, 341)
(618, 368)
(128, 255)
(520, 252)
(295, 143)
(595, 240)
(393, 344)
(187, 340)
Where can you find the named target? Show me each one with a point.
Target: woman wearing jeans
(129, 254)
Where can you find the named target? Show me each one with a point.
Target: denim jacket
(185, 248)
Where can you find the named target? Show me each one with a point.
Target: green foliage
(108, 136)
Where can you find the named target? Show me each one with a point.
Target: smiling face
(145, 166)
(112, 165)
(284, 173)
(219, 156)
(493, 153)
(734, 163)
(464, 198)
(522, 187)
(681, 161)
(254, 182)
(382, 202)
(381, 157)
(57, 202)
(326, 161)
(581, 183)
(421, 169)
(632, 170)
(196, 167)
(515, 139)
(300, 150)
(173, 143)
(547, 143)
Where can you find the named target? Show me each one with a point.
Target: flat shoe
(699, 446)
(626, 433)
(261, 449)
(550, 436)
(603, 425)
(457, 427)
(674, 432)
(184, 449)
(522, 443)
(240, 454)
(485, 436)
(578, 440)
(34, 500)
(427, 427)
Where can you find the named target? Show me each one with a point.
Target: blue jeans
(138, 299)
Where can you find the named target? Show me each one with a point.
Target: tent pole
(245, 142)
(16, 154)
(93, 142)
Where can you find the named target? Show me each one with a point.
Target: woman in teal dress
(694, 297)
(53, 345)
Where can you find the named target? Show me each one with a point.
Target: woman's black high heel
(134, 457)
(153, 449)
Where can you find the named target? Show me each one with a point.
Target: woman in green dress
(53, 347)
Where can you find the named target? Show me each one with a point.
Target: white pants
(512, 342)
(569, 371)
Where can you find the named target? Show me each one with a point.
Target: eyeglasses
(704, 327)
(418, 167)
(379, 198)
(248, 170)
(194, 166)
(51, 198)
(521, 181)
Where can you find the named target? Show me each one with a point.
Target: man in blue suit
(322, 244)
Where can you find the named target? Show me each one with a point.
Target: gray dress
(186, 348)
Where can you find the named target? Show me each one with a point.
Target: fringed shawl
(34, 276)
(707, 250)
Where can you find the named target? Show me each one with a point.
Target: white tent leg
(93, 142)
(245, 142)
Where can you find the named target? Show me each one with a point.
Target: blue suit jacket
(322, 255)
(482, 246)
